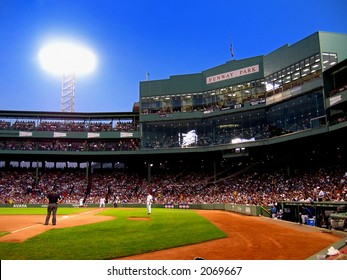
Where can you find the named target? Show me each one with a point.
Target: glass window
(305, 71)
(329, 59)
(315, 67)
(277, 84)
(207, 99)
(307, 62)
(296, 75)
(197, 99)
(292, 68)
(187, 103)
(176, 103)
(333, 59)
(166, 104)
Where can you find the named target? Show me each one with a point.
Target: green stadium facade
(289, 104)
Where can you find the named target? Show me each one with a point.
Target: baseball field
(166, 234)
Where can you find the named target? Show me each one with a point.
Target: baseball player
(149, 203)
(102, 202)
(81, 202)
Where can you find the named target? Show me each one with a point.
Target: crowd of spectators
(65, 126)
(124, 144)
(20, 185)
(61, 126)
(253, 188)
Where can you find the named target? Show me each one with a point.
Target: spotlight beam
(67, 60)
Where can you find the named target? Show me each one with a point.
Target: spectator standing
(321, 195)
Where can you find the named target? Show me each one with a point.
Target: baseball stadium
(245, 161)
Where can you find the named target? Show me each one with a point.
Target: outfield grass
(166, 228)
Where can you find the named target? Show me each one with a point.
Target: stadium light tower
(67, 60)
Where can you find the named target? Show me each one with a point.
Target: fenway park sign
(232, 74)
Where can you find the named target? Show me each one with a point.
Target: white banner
(93, 135)
(25, 134)
(126, 134)
(232, 74)
(59, 134)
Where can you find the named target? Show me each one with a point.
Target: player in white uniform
(102, 202)
(81, 202)
(149, 203)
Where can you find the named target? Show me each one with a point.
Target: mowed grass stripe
(164, 228)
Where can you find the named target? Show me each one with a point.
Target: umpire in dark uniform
(53, 198)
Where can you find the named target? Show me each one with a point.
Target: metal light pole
(68, 93)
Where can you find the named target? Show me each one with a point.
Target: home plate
(65, 217)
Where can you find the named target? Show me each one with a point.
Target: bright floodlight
(67, 60)
(60, 58)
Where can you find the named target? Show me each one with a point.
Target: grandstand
(279, 113)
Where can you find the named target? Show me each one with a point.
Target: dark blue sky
(130, 38)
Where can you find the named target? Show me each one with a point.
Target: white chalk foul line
(63, 217)
(21, 229)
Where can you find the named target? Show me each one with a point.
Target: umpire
(53, 198)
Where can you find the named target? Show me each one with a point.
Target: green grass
(39, 211)
(166, 228)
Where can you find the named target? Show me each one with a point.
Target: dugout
(322, 210)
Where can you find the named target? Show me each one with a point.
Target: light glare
(64, 58)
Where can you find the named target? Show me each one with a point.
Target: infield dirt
(249, 237)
